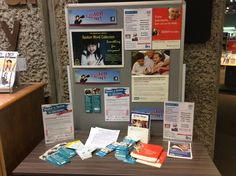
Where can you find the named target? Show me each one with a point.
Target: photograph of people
(173, 13)
(92, 55)
(138, 67)
(154, 62)
(8, 66)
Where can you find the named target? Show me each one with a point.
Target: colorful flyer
(155, 113)
(7, 69)
(80, 17)
(88, 100)
(178, 120)
(139, 119)
(92, 76)
(58, 122)
(100, 48)
(137, 28)
(179, 150)
(166, 28)
(96, 100)
(116, 100)
(92, 100)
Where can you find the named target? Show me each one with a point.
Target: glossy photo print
(97, 48)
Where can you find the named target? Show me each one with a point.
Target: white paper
(100, 137)
(178, 120)
(138, 28)
(58, 122)
(117, 106)
(153, 88)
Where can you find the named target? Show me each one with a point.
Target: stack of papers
(101, 137)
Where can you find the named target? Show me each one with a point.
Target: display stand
(83, 120)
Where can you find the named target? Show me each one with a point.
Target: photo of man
(174, 13)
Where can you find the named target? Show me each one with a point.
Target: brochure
(8, 62)
(178, 120)
(179, 150)
(58, 122)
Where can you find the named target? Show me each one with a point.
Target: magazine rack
(83, 120)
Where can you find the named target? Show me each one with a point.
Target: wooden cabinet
(21, 125)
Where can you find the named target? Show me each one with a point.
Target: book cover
(179, 150)
(147, 152)
(158, 163)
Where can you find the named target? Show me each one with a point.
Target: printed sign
(91, 17)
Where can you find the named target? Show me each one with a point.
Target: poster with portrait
(8, 62)
(99, 16)
(166, 28)
(99, 48)
(150, 75)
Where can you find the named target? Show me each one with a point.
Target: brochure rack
(83, 120)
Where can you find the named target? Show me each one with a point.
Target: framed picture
(97, 48)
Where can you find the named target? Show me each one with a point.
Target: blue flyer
(91, 76)
(90, 16)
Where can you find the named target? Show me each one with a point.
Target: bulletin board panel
(83, 120)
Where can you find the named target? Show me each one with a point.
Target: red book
(147, 152)
(158, 163)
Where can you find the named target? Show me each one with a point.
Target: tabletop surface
(7, 99)
(201, 164)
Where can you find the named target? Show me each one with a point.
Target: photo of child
(96, 48)
(92, 54)
(150, 62)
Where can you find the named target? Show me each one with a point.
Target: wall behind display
(31, 41)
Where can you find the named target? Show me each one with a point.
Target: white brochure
(58, 122)
(178, 120)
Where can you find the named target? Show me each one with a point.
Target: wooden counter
(200, 165)
(21, 125)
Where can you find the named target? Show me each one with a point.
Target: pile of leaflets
(122, 150)
(83, 151)
(58, 155)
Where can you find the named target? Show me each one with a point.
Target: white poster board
(58, 122)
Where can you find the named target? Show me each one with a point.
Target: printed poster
(8, 62)
(178, 120)
(137, 28)
(80, 17)
(100, 48)
(117, 106)
(150, 75)
(166, 28)
(228, 59)
(58, 122)
(92, 76)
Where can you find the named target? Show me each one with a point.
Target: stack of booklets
(149, 154)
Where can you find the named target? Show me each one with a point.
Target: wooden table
(21, 125)
(201, 164)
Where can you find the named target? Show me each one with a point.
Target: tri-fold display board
(124, 56)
